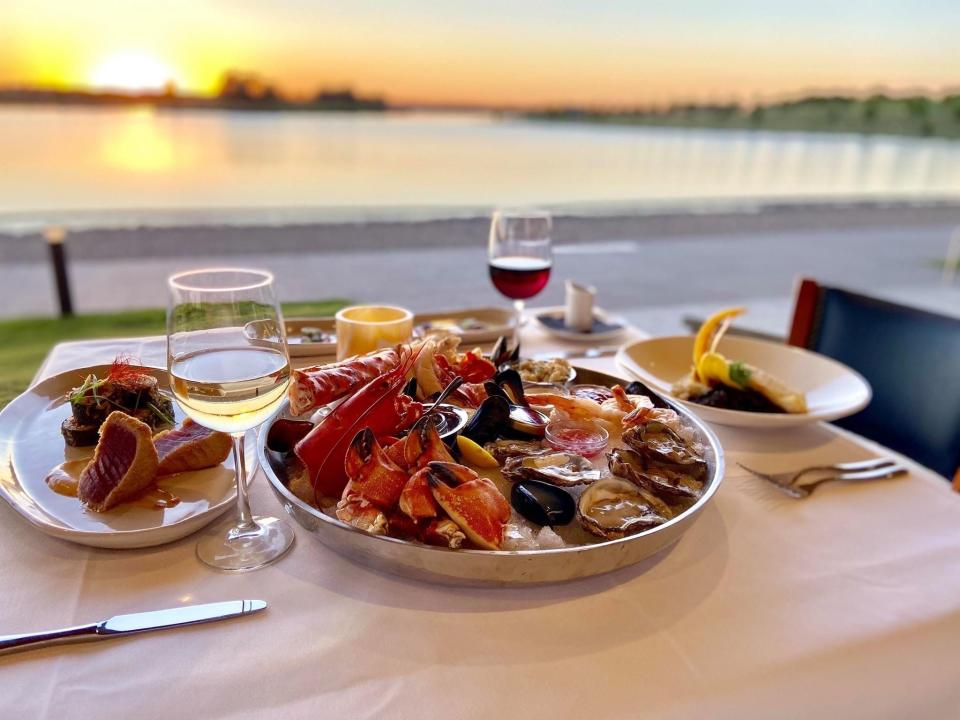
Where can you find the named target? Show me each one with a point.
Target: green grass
(24, 342)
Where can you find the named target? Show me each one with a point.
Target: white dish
(575, 336)
(833, 390)
(31, 446)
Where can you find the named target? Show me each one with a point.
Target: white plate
(573, 335)
(833, 390)
(31, 445)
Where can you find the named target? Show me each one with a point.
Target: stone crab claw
(423, 444)
(361, 514)
(372, 474)
(472, 502)
(445, 533)
(416, 500)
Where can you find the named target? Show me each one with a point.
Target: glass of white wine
(225, 382)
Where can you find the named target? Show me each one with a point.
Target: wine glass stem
(518, 309)
(244, 517)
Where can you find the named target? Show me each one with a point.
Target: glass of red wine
(519, 254)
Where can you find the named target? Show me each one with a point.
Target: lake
(109, 166)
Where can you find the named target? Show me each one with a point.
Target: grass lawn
(24, 342)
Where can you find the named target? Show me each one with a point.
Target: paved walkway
(681, 270)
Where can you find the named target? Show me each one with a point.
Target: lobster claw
(416, 500)
(472, 502)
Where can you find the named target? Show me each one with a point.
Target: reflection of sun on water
(140, 145)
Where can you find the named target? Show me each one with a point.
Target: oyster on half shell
(563, 469)
(671, 481)
(613, 508)
(657, 443)
(504, 449)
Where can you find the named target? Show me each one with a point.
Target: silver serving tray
(487, 568)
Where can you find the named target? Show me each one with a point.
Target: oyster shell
(672, 481)
(613, 508)
(503, 450)
(657, 443)
(563, 469)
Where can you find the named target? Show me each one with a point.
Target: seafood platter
(468, 468)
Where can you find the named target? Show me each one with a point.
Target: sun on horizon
(131, 71)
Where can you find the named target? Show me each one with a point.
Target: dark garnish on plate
(124, 388)
(728, 398)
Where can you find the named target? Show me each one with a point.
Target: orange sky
(497, 52)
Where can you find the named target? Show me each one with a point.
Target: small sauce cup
(583, 438)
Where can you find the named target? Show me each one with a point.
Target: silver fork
(874, 469)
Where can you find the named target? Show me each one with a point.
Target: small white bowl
(833, 390)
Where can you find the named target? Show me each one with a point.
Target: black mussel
(410, 389)
(489, 422)
(497, 418)
(638, 388)
(494, 390)
(502, 353)
(542, 503)
(511, 383)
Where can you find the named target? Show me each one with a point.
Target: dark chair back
(910, 357)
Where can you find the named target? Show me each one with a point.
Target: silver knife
(122, 625)
(590, 352)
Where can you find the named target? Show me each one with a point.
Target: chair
(910, 357)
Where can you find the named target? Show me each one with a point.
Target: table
(845, 605)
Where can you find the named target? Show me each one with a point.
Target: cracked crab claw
(355, 510)
(472, 502)
(416, 500)
(372, 474)
(445, 533)
(423, 444)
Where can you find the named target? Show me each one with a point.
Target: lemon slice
(710, 333)
(713, 366)
(474, 454)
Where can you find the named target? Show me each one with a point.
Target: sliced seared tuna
(123, 465)
(191, 447)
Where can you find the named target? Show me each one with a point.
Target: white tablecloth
(846, 605)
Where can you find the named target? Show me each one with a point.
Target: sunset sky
(500, 52)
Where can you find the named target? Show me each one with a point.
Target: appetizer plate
(606, 327)
(501, 568)
(473, 325)
(31, 446)
(833, 390)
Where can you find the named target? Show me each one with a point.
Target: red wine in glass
(519, 278)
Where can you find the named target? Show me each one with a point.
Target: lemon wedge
(474, 454)
(711, 331)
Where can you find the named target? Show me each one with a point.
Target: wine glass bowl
(224, 383)
(519, 254)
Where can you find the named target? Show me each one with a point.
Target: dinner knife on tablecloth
(122, 625)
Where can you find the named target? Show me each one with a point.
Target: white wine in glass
(226, 383)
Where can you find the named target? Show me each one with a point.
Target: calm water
(106, 166)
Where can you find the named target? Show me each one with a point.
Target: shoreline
(470, 230)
